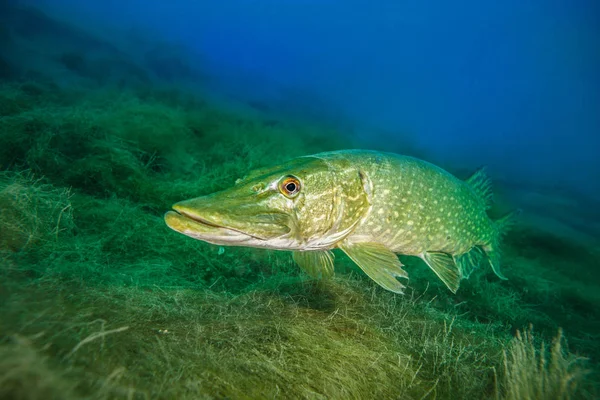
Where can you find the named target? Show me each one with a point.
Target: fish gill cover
(111, 112)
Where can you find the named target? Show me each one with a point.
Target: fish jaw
(206, 232)
(227, 218)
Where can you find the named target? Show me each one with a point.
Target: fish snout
(230, 213)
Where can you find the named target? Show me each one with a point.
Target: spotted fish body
(371, 205)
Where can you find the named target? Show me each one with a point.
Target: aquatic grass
(333, 339)
(115, 143)
(26, 373)
(32, 212)
(19, 97)
(532, 372)
(253, 345)
(99, 299)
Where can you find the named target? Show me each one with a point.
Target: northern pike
(370, 205)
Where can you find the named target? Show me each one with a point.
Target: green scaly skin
(369, 204)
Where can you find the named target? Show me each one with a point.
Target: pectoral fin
(445, 268)
(379, 263)
(318, 264)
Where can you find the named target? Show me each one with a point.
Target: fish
(371, 205)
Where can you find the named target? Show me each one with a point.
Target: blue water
(513, 84)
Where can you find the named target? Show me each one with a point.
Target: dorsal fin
(482, 185)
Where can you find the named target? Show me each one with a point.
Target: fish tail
(505, 223)
(493, 249)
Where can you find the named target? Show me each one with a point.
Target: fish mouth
(199, 228)
(227, 222)
(196, 218)
(190, 222)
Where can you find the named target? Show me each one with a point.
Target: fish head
(298, 205)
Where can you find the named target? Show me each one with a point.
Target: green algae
(100, 300)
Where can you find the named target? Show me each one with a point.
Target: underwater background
(112, 111)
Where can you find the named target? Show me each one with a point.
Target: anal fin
(318, 264)
(469, 261)
(494, 259)
(445, 268)
(378, 262)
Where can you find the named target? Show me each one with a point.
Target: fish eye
(289, 186)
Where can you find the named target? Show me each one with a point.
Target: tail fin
(503, 225)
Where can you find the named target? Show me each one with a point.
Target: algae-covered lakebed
(102, 133)
(100, 300)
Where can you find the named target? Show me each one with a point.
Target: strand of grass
(60, 215)
(95, 336)
(430, 390)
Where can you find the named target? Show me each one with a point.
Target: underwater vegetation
(99, 299)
